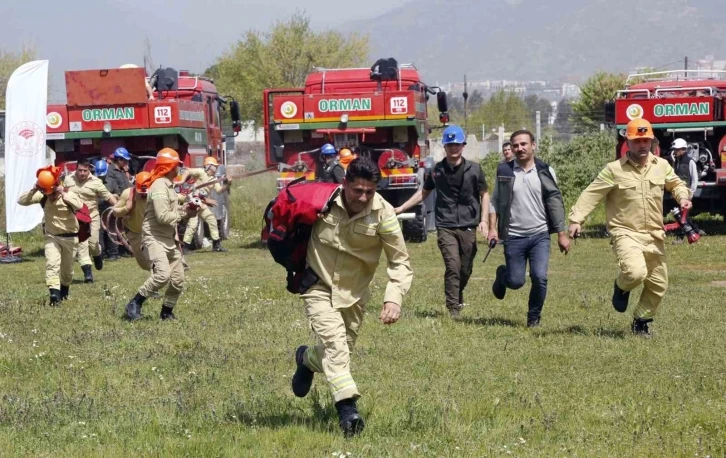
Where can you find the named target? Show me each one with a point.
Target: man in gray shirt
(529, 208)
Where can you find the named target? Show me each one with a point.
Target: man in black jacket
(116, 179)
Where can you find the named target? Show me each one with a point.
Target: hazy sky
(85, 34)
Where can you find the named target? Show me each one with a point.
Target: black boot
(98, 262)
(133, 308)
(620, 298)
(302, 380)
(351, 422)
(64, 292)
(186, 248)
(87, 274)
(499, 288)
(640, 328)
(167, 313)
(55, 297)
(217, 246)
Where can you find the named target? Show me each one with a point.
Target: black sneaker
(302, 380)
(186, 248)
(167, 313)
(640, 328)
(98, 262)
(87, 274)
(620, 298)
(533, 322)
(455, 310)
(351, 422)
(498, 287)
(112, 258)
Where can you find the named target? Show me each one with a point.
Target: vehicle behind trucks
(378, 112)
(121, 107)
(681, 104)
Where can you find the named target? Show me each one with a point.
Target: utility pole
(466, 97)
(538, 124)
(501, 138)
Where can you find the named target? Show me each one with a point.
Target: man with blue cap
(461, 194)
(116, 178)
(333, 172)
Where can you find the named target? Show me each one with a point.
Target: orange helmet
(211, 160)
(639, 128)
(345, 157)
(167, 156)
(140, 182)
(47, 181)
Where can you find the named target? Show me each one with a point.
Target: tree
(282, 57)
(503, 108)
(535, 104)
(9, 62)
(589, 109)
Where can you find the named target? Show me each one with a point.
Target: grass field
(79, 381)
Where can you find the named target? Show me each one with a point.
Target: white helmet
(679, 143)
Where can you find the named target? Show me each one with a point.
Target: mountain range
(536, 40)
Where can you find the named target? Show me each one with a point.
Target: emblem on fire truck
(288, 109)
(634, 111)
(54, 120)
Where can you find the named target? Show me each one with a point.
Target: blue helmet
(454, 134)
(122, 153)
(100, 167)
(328, 149)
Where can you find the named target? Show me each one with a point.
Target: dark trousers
(109, 248)
(458, 248)
(536, 250)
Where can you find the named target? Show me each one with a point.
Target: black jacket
(116, 180)
(460, 209)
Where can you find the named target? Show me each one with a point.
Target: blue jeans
(536, 250)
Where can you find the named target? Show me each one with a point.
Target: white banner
(25, 119)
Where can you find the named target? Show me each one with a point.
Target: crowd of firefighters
(148, 233)
(346, 243)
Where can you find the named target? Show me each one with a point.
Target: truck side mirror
(277, 146)
(441, 101)
(234, 112)
(610, 112)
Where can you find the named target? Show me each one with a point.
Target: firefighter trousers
(59, 260)
(209, 218)
(166, 269)
(642, 261)
(90, 247)
(140, 254)
(337, 329)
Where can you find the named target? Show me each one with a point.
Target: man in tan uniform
(132, 209)
(633, 191)
(202, 176)
(89, 188)
(158, 237)
(344, 252)
(61, 229)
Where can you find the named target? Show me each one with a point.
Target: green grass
(80, 381)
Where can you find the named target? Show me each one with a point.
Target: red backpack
(289, 220)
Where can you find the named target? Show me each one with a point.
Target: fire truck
(378, 112)
(687, 104)
(121, 107)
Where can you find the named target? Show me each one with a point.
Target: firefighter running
(60, 226)
(158, 237)
(89, 188)
(203, 176)
(131, 206)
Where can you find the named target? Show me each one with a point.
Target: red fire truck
(110, 108)
(681, 104)
(378, 112)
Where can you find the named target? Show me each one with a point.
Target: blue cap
(100, 168)
(328, 149)
(122, 153)
(454, 134)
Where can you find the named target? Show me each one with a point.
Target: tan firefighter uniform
(89, 191)
(61, 235)
(634, 212)
(201, 177)
(158, 232)
(133, 221)
(345, 252)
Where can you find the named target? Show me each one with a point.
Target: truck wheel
(414, 230)
(223, 224)
(198, 240)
